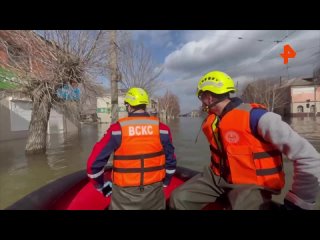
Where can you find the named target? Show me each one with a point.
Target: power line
(270, 50)
(276, 45)
(235, 37)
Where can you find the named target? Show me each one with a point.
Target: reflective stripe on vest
(140, 159)
(209, 127)
(248, 160)
(267, 171)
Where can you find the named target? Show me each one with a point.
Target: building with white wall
(15, 117)
(305, 98)
(104, 106)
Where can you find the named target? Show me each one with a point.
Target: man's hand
(168, 177)
(293, 202)
(287, 205)
(106, 189)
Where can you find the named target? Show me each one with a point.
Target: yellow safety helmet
(136, 96)
(216, 82)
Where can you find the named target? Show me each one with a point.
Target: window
(300, 108)
(313, 108)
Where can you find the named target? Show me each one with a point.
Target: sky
(245, 55)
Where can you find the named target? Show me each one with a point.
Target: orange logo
(288, 52)
(232, 137)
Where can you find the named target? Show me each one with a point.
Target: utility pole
(114, 74)
(280, 82)
(315, 96)
(237, 88)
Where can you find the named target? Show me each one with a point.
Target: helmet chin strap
(207, 107)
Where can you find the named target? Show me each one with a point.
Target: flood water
(21, 174)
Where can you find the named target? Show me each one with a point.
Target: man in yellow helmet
(246, 145)
(144, 160)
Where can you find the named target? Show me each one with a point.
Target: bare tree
(272, 93)
(316, 81)
(169, 106)
(316, 75)
(46, 61)
(137, 67)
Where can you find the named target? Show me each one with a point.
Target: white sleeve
(306, 160)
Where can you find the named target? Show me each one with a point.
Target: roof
(301, 82)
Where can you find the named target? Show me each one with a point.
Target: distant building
(305, 97)
(195, 113)
(300, 97)
(104, 106)
(88, 104)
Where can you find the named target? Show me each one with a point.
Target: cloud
(225, 49)
(246, 55)
(154, 37)
(218, 49)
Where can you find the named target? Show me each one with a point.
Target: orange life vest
(237, 155)
(140, 159)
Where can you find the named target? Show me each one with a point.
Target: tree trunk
(113, 65)
(37, 139)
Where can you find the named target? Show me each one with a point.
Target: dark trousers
(132, 198)
(206, 188)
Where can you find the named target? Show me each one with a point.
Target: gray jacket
(306, 159)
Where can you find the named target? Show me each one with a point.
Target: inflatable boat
(75, 192)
